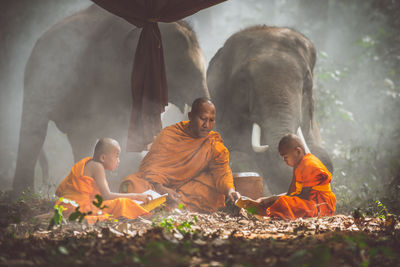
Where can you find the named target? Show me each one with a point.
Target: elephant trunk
(273, 130)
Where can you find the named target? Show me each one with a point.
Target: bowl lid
(245, 174)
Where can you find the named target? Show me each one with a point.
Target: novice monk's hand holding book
(257, 206)
(156, 200)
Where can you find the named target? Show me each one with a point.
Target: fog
(356, 79)
(21, 24)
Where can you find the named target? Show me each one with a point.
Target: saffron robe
(196, 168)
(83, 189)
(310, 172)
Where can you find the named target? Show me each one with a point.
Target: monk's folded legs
(199, 194)
(290, 208)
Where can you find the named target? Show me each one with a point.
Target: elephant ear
(216, 78)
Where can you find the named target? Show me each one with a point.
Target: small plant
(79, 215)
(185, 227)
(167, 224)
(58, 217)
(383, 212)
(99, 201)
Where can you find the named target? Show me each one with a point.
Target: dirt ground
(182, 238)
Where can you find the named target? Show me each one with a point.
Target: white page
(154, 194)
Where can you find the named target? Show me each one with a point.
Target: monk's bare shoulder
(93, 169)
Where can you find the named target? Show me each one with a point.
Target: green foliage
(357, 96)
(383, 212)
(167, 224)
(78, 215)
(252, 210)
(98, 202)
(58, 217)
(184, 227)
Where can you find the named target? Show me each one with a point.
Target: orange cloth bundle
(83, 189)
(197, 168)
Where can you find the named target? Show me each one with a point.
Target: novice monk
(309, 194)
(87, 179)
(189, 162)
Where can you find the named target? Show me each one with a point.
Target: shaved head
(290, 142)
(105, 146)
(201, 117)
(198, 103)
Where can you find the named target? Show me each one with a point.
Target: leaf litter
(182, 238)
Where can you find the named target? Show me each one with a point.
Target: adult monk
(309, 194)
(189, 162)
(88, 179)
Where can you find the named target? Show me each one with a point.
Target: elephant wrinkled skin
(78, 76)
(264, 76)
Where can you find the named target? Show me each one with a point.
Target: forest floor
(182, 238)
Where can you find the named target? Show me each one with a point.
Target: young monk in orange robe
(309, 194)
(189, 162)
(87, 179)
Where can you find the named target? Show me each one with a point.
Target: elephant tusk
(301, 136)
(256, 138)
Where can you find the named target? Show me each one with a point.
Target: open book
(155, 202)
(251, 206)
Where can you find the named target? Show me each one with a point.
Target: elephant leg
(82, 145)
(32, 136)
(44, 165)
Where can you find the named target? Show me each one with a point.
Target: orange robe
(83, 189)
(321, 202)
(197, 168)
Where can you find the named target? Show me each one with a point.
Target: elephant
(79, 76)
(261, 82)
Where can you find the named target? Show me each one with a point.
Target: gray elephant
(261, 81)
(78, 76)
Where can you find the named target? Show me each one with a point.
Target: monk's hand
(233, 195)
(145, 198)
(265, 202)
(173, 196)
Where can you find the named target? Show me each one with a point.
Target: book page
(154, 194)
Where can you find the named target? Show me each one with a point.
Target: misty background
(356, 83)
